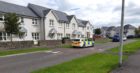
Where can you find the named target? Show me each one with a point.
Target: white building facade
(41, 23)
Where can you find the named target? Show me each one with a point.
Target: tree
(137, 32)
(11, 24)
(98, 31)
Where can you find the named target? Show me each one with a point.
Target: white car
(82, 42)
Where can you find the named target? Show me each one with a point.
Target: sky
(98, 12)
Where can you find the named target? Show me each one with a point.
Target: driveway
(29, 62)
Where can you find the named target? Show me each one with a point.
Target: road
(30, 62)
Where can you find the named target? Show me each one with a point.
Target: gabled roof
(70, 17)
(104, 28)
(13, 8)
(82, 23)
(111, 28)
(39, 10)
(128, 26)
(60, 16)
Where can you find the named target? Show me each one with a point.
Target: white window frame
(83, 28)
(73, 25)
(68, 35)
(60, 25)
(3, 36)
(67, 25)
(35, 36)
(51, 22)
(35, 21)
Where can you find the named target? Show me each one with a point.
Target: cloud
(99, 12)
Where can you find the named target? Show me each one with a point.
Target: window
(83, 28)
(22, 35)
(73, 26)
(60, 24)
(61, 35)
(1, 17)
(51, 22)
(67, 35)
(34, 21)
(22, 20)
(87, 28)
(67, 25)
(35, 36)
(3, 36)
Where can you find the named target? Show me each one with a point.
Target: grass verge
(96, 63)
(102, 40)
(18, 51)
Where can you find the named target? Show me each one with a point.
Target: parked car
(82, 42)
(116, 38)
(130, 36)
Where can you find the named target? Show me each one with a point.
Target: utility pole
(121, 34)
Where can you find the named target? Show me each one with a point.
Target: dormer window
(34, 21)
(1, 17)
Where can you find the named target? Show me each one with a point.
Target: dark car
(116, 38)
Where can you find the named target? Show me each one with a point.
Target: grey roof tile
(39, 10)
(60, 16)
(70, 17)
(81, 23)
(13, 8)
(128, 26)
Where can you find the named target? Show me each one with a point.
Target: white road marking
(56, 52)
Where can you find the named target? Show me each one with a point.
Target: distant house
(111, 31)
(129, 30)
(104, 31)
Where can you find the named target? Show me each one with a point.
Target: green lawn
(96, 63)
(102, 40)
(10, 52)
(129, 48)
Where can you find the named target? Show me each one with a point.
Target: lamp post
(121, 34)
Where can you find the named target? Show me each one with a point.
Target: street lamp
(121, 34)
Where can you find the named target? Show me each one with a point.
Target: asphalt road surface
(30, 62)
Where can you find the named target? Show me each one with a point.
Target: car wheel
(92, 45)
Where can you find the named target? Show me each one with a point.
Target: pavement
(132, 65)
(27, 63)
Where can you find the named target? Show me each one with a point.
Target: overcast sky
(99, 12)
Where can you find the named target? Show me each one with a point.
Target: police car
(82, 42)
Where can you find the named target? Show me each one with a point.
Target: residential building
(129, 30)
(104, 32)
(111, 31)
(41, 23)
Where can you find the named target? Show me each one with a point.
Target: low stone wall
(53, 43)
(29, 44)
(16, 45)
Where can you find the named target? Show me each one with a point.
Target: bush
(64, 39)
